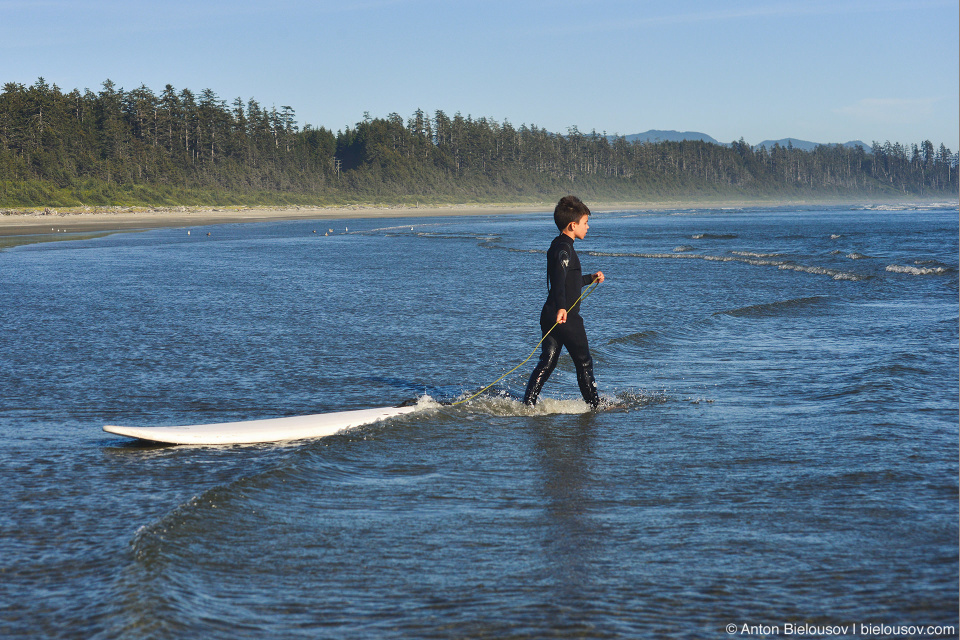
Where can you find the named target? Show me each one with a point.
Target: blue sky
(825, 71)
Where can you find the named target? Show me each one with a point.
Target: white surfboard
(256, 431)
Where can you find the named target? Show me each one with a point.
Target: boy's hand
(561, 316)
(598, 277)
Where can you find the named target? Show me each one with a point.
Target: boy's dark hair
(569, 209)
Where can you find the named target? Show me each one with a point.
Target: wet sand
(45, 222)
(49, 222)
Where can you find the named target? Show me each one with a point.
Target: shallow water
(782, 445)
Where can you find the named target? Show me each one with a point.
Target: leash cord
(590, 289)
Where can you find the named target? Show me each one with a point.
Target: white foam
(426, 402)
(925, 206)
(915, 271)
(758, 262)
(507, 406)
(751, 254)
(823, 271)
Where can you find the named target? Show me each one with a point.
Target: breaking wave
(714, 236)
(823, 271)
(918, 206)
(915, 271)
(751, 254)
(759, 262)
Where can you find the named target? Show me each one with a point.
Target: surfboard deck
(260, 431)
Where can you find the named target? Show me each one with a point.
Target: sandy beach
(20, 222)
(104, 219)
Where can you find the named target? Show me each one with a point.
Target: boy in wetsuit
(566, 281)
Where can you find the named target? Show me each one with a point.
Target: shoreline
(114, 219)
(48, 221)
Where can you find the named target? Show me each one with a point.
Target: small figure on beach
(560, 319)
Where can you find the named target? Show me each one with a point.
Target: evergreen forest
(136, 147)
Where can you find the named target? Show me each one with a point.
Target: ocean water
(781, 445)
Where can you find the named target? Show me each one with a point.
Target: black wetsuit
(566, 281)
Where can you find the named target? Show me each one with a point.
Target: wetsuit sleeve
(587, 279)
(557, 272)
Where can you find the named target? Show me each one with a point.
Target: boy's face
(580, 227)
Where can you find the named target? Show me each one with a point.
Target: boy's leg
(588, 384)
(548, 360)
(575, 340)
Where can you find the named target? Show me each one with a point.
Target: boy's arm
(593, 277)
(557, 273)
(588, 279)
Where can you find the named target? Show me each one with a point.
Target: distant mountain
(656, 135)
(805, 145)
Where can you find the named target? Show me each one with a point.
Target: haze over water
(784, 446)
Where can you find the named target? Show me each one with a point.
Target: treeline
(178, 147)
